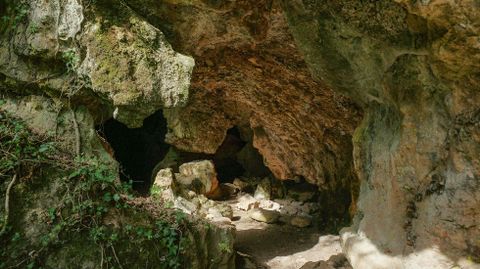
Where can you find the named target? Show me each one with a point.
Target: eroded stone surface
(413, 66)
(124, 60)
(249, 74)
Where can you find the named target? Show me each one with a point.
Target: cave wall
(116, 59)
(413, 66)
(250, 74)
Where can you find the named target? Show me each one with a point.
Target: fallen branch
(7, 204)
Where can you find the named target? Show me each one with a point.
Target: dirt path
(281, 246)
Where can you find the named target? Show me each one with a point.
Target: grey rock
(163, 186)
(263, 215)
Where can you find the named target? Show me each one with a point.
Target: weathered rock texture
(249, 74)
(414, 66)
(66, 65)
(111, 57)
(103, 55)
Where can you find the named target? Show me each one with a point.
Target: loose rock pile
(295, 207)
(189, 190)
(196, 190)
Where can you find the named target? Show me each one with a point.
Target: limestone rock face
(47, 117)
(414, 68)
(123, 60)
(149, 76)
(218, 252)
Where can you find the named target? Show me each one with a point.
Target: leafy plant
(71, 59)
(89, 191)
(14, 15)
(33, 28)
(224, 247)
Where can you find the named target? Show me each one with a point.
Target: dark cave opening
(138, 150)
(236, 157)
(142, 151)
(225, 159)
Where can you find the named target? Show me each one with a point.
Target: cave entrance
(235, 158)
(137, 150)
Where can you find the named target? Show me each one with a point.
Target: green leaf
(44, 147)
(116, 197)
(107, 197)
(75, 173)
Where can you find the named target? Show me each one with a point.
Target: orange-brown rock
(250, 74)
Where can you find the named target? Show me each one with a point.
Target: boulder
(289, 207)
(263, 215)
(225, 210)
(224, 191)
(242, 185)
(284, 218)
(216, 215)
(199, 176)
(310, 208)
(163, 185)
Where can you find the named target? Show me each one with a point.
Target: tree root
(116, 257)
(7, 204)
